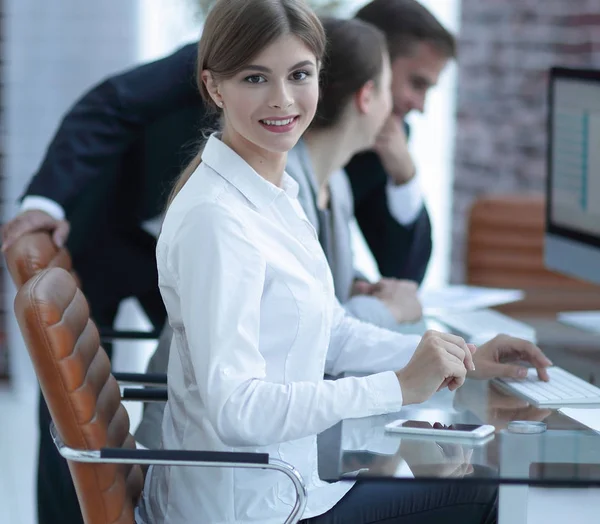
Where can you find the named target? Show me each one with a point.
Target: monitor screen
(573, 191)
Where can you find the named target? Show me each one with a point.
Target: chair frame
(210, 459)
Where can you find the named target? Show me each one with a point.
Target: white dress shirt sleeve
(370, 309)
(405, 201)
(219, 277)
(40, 203)
(360, 347)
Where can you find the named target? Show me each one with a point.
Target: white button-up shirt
(256, 325)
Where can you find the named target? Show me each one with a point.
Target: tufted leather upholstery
(32, 253)
(82, 395)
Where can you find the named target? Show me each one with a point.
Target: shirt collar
(233, 168)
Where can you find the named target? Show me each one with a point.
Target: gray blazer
(338, 252)
(339, 249)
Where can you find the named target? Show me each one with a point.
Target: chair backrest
(83, 397)
(506, 249)
(32, 253)
(506, 244)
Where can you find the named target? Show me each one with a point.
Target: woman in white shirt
(250, 297)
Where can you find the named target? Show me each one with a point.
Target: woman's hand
(440, 360)
(500, 357)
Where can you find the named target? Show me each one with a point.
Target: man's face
(413, 75)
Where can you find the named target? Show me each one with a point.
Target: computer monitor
(572, 244)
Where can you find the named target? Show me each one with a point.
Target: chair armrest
(178, 456)
(109, 334)
(142, 379)
(145, 394)
(214, 459)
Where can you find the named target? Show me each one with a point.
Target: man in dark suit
(388, 204)
(109, 168)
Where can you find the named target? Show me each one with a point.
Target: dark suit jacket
(111, 165)
(400, 251)
(117, 152)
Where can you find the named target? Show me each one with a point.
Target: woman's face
(381, 106)
(269, 104)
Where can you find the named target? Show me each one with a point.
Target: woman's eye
(254, 79)
(300, 75)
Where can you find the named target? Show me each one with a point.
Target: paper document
(587, 320)
(589, 417)
(466, 298)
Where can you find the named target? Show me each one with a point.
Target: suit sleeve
(103, 124)
(401, 251)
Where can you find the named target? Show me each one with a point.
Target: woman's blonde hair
(235, 32)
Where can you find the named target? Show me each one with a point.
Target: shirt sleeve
(356, 346)
(220, 278)
(370, 309)
(54, 209)
(405, 201)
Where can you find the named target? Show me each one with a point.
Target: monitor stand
(586, 320)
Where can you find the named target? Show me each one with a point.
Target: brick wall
(505, 49)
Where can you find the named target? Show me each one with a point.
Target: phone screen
(439, 425)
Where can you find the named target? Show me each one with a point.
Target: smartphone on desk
(459, 431)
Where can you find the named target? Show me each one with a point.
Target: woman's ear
(212, 87)
(364, 96)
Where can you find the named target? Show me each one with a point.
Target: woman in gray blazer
(348, 120)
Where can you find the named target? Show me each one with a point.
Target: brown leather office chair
(91, 425)
(34, 252)
(505, 249)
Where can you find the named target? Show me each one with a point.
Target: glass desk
(542, 478)
(566, 454)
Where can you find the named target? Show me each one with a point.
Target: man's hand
(31, 221)
(500, 356)
(400, 297)
(361, 287)
(392, 148)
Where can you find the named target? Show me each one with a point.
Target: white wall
(432, 145)
(54, 50)
(165, 25)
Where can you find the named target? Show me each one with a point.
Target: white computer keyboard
(481, 325)
(563, 389)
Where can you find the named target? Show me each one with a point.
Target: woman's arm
(357, 346)
(220, 280)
